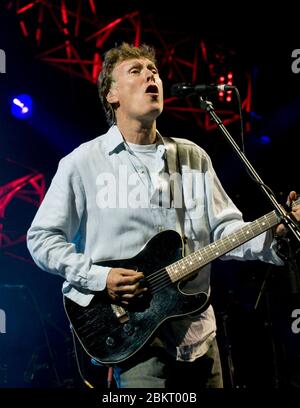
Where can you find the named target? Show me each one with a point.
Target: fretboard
(188, 265)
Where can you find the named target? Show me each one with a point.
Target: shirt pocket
(193, 193)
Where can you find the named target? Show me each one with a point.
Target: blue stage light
(264, 139)
(21, 106)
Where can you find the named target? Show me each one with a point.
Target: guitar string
(160, 279)
(157, 277)
(159, 288)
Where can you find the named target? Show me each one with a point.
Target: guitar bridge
(120, 313)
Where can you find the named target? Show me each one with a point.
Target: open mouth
(152, 89)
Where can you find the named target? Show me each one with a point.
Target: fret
(186, 266)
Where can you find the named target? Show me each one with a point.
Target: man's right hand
(123, 284)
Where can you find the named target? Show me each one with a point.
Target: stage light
(264, 139)
(226, 79)
(21, 106)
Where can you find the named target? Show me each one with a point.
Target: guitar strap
(176, 190)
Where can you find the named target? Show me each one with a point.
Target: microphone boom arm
(289, 221)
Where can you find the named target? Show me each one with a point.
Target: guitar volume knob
(110, 341)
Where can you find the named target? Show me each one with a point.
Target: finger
(130, 280)
(128, 288)
(113, 295)
(130, 272)
(280, 230)
(134, 294)
(125, 289)
(292, 196)
(296, 214)
(128, 296)
(119, 298)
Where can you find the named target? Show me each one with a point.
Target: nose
(150, 75)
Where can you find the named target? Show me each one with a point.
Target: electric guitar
(111, 333)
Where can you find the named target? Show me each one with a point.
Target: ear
(112, 97)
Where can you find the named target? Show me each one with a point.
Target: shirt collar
(115, 140)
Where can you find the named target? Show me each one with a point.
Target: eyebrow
(140, 64)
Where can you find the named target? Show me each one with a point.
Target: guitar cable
(86, 382)
(110, 376)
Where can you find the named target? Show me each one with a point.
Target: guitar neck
(188, 265)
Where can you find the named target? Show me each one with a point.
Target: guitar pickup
(120, 313)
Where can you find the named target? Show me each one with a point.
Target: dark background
(257, 343)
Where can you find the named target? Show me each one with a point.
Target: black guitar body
(111, 339)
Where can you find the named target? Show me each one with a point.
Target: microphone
(183, 89)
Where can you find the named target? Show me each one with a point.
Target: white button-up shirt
(100, 206)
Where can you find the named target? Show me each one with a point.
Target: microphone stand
(289, 222)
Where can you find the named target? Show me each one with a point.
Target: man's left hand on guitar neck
(281, 230)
